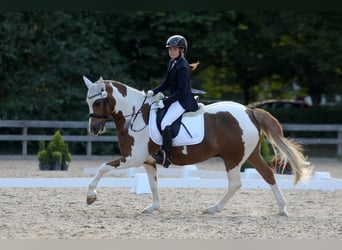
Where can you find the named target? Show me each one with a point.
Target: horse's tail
(284, 149)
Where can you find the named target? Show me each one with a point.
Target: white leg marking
(280, 200)
(91, 194)
(152, 178)
(234, 183)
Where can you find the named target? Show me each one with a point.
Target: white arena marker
(142, 185)
(187, 169)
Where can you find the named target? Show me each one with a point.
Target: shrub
(55, 155)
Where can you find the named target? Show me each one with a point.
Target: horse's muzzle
(97, 128)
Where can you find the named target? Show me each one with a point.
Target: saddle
(175, 126)
(186, 130)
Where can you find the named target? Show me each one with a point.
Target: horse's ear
(87, 82)
(100, 84)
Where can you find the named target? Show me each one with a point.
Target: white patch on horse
(185, 150)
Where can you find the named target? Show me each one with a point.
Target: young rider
(180, 100)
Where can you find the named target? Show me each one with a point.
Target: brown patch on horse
(231, 144)
(258, 162)
(217, 142)
(120, 86)
(125, 140)
(152, 147)
(145, 112)
(116, 162)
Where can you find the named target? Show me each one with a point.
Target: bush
(56, 155)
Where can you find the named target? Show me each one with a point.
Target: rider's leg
(164, 155)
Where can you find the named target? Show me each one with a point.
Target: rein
(136, 115)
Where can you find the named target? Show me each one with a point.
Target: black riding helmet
(177, 41)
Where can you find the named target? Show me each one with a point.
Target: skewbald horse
(232, 132)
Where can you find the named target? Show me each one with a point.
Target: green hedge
(313, 115)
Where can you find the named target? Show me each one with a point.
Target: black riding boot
(164, 155)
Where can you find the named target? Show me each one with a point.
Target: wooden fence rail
(25, 136)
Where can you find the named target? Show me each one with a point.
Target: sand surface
(62, 213)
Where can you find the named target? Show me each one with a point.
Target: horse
(232, 131)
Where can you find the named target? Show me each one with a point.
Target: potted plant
(54, 156)
(56, 163)
(43, 157)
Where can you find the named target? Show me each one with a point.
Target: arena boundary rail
(25, 136)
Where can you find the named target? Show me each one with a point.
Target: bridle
(104, 115)
(105, 102)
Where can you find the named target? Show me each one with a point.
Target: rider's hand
(149, 93)
(161, 104)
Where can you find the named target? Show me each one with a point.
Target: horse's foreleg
(153, 180)
(91, 194)
(234, 183)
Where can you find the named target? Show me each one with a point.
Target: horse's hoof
(91, 200)
(147, 211)
(284, 213)
(150, 209)
(211, 210)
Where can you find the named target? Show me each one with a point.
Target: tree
(43, 55)
(311, 47)
(43, 58)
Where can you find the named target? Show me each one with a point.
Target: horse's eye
(97, 103)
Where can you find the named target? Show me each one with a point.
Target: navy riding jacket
(177, 80)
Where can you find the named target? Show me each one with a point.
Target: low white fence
(25, 135)
(186, 177)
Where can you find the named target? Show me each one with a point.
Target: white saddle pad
(193, 123)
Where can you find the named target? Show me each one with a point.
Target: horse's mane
(112, 81)
(120, 84)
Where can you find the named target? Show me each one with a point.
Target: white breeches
(172, 114)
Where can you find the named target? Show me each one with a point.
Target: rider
(177, 80)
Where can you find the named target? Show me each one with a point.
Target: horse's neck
(127, 106)
(130, 103)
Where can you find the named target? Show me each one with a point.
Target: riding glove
(149, 93)
(161, 104)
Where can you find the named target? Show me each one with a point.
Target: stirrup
(166, 160)
(162, 159)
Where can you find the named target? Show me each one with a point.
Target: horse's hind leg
(267, 173)
(234, 183)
